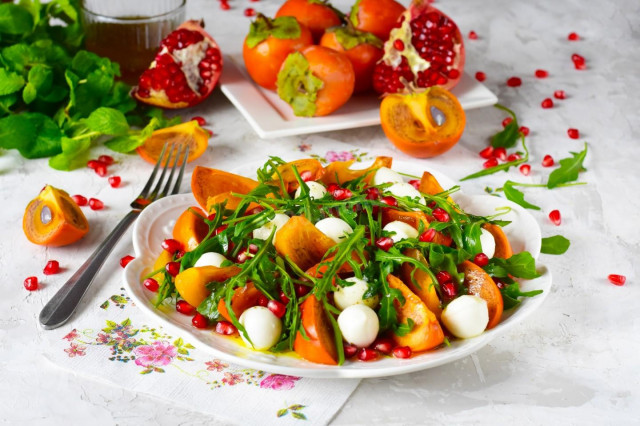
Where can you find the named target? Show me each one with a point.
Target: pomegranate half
(424, 49)
(185, 70)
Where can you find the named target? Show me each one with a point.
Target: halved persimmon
(423, 124)
(339, 171)
(482, 285)
(190, 228)
(206, 182)
(189, 133)
(54, 219)
(319, 346)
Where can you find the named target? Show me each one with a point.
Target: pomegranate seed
(92, 164)
(415, 183)
(366, 354)
(332, 187)
(559, 94)
(449, 290)
(578, 61)
(547, 103)
(172, 268)
(398, 45)
(114, 181)
(243, 256)
(372, 193)
(306, 176)
(201, 121)
(106, 159)
(525, 169)
(185, 308)
(440, 215)
(278, 309)
(52, 267)
(383, 345)
(542, 73)
(101, 170)
(80, 200)
(480, 76)
(302, 290)
(491, 162)
(473, 35)
(179, 254)
(524, 130)
(554, 217)
(284, 298)
(616, 279)
(514, 82)
(249, 11)
(402, 352)
(443, 277)
(573, 37)
(224, 5)
(220, 228)
(500, 153)
(513, 157)
(151, 284)
(263, 300)
(226, 328)
(124, 261)
(350, 350)
(506, 121)
(171, 245)
(341, 194)
(390, 201)
(428, 235)
(487, 152)
(200, 321)
(481, 259)
(573, 133)
(31, 283)
(547, 161)
(95, 204)
(432, 204)
(384, 243)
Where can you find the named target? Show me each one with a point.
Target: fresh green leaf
(512, 293)
(508, 136)
(282, 412)
(568, 170)
(404, 329)
(74, 154)
(10, 82)
(298, 415)
(349, 38)
(501, 167)
(17, 56)
(517, 196)
(14, 19)
(555, 245)
(108, 121)
(521, 265)
(34, 135)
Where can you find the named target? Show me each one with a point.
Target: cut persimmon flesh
(243, 298)
(191, 283)
(430, 185)
(319, 346)
(482, 285)
(503, 247)
(423, 124)
(309, 169)
(305, 244)
(54, 219)
(190, 228)
(189, 133)
(339, 171)
(206, 182)
(423, 287)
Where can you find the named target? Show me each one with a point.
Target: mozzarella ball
(488, 243)
(316, 190)
(263, 327)
(352, 295)
(359, 325)
(467, 316)
(401, 229)
(334, 228)
(210, 259)
(264, 231)
(406, 190)
(386, 175)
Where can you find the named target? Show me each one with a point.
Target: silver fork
(64, 302)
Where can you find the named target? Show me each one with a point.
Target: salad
(333, 263)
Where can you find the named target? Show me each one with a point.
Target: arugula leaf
(14, 19)
(508, 136)
(10, 82)
(501, 167)
(512, 293)
(521, 265)
(517, 196)
(569, 169)
(403, 329)
(555, 245)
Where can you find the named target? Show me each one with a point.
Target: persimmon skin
(316, 17)
(320, 346)
(264, 60)
(363, 58)
(378, 17)
(243, 298)
(482, 285)
(190, 228)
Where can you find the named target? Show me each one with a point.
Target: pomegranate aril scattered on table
(106, 159)
(92, 164)
(201, 121)
(473, 35)
(95, 204)
(80, 200)
(616, 279)
(487, 152)
(555, 218)
(542, 73)
(491, 162)
(428, 235)
(514, 82)
(547, 103)
(559, 94)
(481, 76)
(283, 297)
(278, 308)
(506, 121)
(579, 62)
(548, 161)
(124, 261)
(200, 321)
(31, 283)
(384, 243)
(185, 308)
(573, 36)
(481, 259)
(525, 169)
(366, 354)
(573, 133)
(224, 5)
(171, 245)
(151, 284)
(226, 328)
(500, 153)
(514, 157)
(402, 352)
(114, 181)
(249, 11)
(524, 130)
(101, 169)
(52, 267)
(306, 176)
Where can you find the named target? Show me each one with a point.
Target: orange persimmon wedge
(426, 332)
(430, 185)
(191, 283)
(302, 242)
(423, 124)
(320, 346)
(425, 288)
(207, 183)
(189, 133)
(190, 228)
(54, 219)
(503, 247)
(243, 298)
(482, 285)
(309, 169)
(339, 171)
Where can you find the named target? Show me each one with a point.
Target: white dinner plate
(156, 223)
(271, 117)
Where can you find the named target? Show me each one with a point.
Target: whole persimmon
(317, 15)
(268, 44)
(316, 81)
(376, 16)
(364, 50)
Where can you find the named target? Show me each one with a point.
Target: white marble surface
(573, 362)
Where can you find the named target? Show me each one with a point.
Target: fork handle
(65, 301)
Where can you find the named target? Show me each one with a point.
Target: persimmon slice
(320, 346)
(190, 228)
(302, 242)
(206, 182)
(423, 124)
(243, 298)
(482, 285)
(189, 133)
(308, 168)
(425, 288)
(191, 283)
(339, 171)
